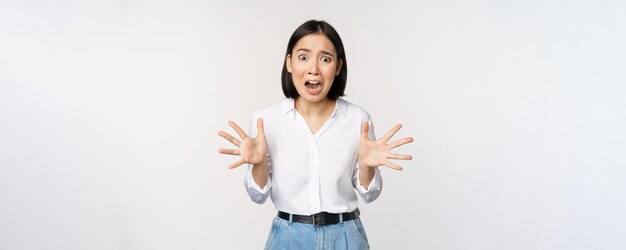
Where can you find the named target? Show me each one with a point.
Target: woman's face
(313, 65)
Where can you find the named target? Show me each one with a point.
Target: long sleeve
(375, 188)
(258, 194)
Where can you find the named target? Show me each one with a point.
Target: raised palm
(252, 150)
(374, 153)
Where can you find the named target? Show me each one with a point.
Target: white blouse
(311, 173)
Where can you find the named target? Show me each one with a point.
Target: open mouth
(313, 87)
(312, 84)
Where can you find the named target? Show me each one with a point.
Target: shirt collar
(341, 107)
(288, 106)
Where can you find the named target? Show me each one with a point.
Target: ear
(288, 62)
(339, 66)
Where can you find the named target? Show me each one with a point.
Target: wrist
(366, 168)
(262, 164)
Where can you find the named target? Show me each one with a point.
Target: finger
(393, 166)
(400, 142)
(229, 138)
(229, 151)
(391, 132)
(365, 127)
(236, 164)
(259, 127)
(400, 156)
(238, 129)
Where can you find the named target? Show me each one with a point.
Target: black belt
(320, 219)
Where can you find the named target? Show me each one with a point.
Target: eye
(302, 57)
(325, 59)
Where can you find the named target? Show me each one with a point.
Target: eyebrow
(323, 51)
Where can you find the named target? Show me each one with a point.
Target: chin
(313, 99)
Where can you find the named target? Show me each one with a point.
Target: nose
(313, 68)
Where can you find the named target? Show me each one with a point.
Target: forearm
(366, 175)
(259, 174)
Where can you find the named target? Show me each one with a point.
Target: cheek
(297, 68)
(330, 72)
(295, 81)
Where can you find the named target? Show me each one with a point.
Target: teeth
(311, 82)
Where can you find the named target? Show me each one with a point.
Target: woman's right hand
(252, 150)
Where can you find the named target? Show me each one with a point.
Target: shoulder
(279, 107)
(353, 110)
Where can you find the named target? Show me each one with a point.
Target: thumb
(259, 127)
(365, 127)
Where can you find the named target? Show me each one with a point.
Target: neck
(314, 108)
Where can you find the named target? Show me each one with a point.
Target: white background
(109, 112)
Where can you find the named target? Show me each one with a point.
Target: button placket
(314, 173)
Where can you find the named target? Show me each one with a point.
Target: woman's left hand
(373, 153)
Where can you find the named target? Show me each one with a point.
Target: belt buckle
(317, 219)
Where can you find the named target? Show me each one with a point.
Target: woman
(310, 150)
